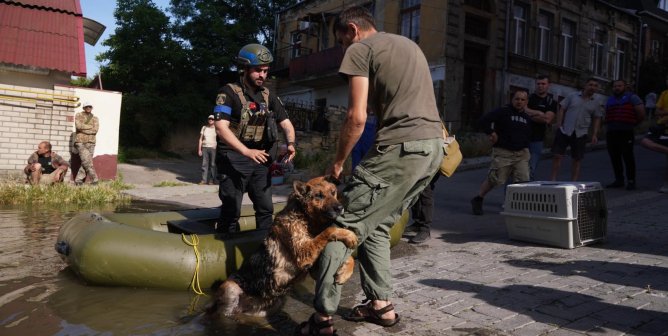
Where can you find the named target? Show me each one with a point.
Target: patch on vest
(221, 98)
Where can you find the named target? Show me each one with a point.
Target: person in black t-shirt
(509, 131)
(45, 166)
(541, 109)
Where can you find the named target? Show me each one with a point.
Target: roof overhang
(93, 30)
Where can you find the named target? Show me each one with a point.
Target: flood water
(39, 295)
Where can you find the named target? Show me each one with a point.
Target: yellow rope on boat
(194, 242)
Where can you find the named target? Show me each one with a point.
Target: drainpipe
(276, 17)
(641, 43)
(504, 73)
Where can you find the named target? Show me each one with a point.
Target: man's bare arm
(353, 125)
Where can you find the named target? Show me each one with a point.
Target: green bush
(314, 163)
(317, 162)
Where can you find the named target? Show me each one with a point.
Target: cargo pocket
(363, 189)
(417, 147)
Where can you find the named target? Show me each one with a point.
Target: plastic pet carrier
(563, 214)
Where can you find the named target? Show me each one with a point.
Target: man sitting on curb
(44, 166)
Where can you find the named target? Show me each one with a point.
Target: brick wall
(29, 116)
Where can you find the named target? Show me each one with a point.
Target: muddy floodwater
(40, 296)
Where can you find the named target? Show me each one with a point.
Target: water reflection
(40, 296)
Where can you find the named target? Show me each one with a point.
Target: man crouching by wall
(44, 166)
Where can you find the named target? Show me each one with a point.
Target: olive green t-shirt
(401, 92)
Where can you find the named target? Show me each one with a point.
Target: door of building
(475, 63)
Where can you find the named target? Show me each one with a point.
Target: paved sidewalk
(470, 279)
(143, 175)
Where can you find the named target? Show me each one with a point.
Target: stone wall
(309, 142)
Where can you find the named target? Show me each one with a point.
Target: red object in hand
(275, 169)
(252, 106)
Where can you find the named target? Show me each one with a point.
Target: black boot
(421, 237)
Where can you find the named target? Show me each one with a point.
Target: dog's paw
(347, 237)
(345, 271)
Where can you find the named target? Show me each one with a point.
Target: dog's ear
(333, 180)
(300, 188)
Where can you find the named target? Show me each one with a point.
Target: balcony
(316, 65)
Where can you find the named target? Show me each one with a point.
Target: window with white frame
(622, 58)
(410, 19)
(568, 29)
(663, 4)
(656, 48)
(598, 52)
(545, 23)
(519, 29)
(296, 42)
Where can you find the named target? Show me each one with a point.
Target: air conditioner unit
(562, 214)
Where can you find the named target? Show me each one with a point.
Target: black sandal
(372, 315)
(314, 327)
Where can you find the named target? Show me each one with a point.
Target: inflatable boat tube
(161, 249)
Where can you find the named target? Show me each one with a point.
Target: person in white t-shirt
(206, 149)
(650, 104)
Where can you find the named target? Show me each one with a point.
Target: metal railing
(306, 116)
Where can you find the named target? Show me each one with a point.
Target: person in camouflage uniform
(87, 126)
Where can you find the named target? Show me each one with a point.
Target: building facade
(308, 58)
(479, 50)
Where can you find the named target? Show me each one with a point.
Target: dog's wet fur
(294, 242)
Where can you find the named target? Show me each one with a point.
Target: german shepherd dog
(295, 240)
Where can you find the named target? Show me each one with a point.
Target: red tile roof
(69, 6)
(44, 34)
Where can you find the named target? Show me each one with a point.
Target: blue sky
(103, 12)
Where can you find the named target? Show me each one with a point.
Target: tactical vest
(256, 125)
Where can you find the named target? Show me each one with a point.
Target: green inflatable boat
(171, 250)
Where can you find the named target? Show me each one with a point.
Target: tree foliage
(81, 81)
(169, 72)
(216, 30)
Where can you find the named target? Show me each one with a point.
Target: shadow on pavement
(573, 311)
(635, 275)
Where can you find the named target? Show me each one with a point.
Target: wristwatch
(292, 143)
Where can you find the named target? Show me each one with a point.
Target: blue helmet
(254, 54)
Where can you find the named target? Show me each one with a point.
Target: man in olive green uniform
(86, 128)
(390, 72)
